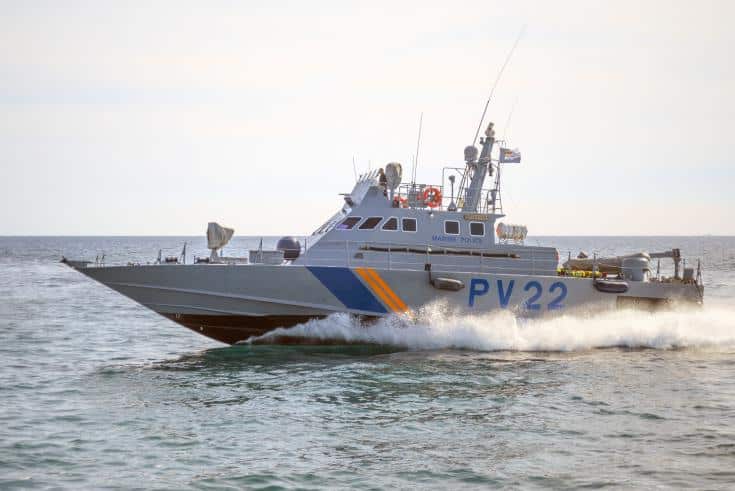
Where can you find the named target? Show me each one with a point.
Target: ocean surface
(97, 392)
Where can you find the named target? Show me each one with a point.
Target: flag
(508, 156)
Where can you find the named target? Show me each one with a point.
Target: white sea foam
(437, 328)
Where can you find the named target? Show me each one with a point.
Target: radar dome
(290, 247)
(470, 153)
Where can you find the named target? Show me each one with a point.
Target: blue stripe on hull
(348, 289)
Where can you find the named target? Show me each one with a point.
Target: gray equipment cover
(393, 175)
(218, 236)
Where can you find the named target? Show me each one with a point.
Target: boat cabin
(384, 223)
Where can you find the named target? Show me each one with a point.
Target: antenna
(354, 168)
(500, 74)
(510, 116)
(418, 146)
(497, 201)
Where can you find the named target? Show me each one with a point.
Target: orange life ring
(400, 202)
(432, 197)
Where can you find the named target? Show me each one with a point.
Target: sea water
(98, 392)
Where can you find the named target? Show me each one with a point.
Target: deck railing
(397, 256)
(393, 256)
(412, 193)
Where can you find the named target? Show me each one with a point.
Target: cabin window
(348, 223)
(391, 224)
(409, 224)
(451, 227)
(477, 228)
(370, 223)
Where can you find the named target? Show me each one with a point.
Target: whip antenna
(500, 74)
(510, 116)
(418, 146)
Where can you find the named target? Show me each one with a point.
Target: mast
(477, 170)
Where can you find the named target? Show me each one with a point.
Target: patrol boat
(391, 249)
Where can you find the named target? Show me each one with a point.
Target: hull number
(532, 291)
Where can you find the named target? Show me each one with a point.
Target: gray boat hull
(236, 303)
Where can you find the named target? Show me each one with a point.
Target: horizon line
(309, 235)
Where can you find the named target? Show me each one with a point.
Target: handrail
(412, 190)
(416, 256)
(403, 256)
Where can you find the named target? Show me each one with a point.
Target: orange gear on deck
(432, 197)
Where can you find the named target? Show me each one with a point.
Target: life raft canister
(432, 197)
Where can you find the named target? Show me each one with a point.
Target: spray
(436, 327)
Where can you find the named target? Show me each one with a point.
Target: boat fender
(449, 284)
(610, 286)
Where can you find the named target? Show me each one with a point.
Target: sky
(156, 117)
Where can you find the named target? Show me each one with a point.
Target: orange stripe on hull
(375, 286)
(400, 305)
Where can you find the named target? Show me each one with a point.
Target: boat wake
(437, 328)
